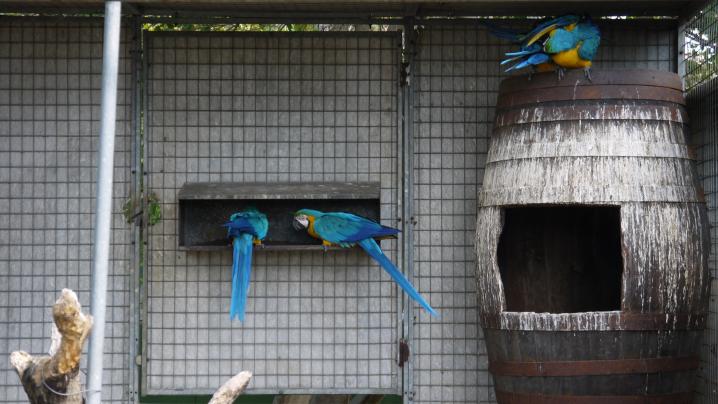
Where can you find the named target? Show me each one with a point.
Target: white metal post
(110, 61)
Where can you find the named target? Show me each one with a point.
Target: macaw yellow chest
(310, 229)
(545, 67)
(570, 59)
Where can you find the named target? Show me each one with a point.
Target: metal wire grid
(269, 107)
(458, 75)
(49, 117)
(698, 65)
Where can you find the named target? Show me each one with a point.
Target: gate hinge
(403, 352)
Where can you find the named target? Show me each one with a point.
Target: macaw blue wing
(241, 273)
(590, 36)
(243, 227)
(503, 33)
(589, 48)
(237, 226)
(547, 26)
(343, 228)
(248, 221)
(523, 53)
(533, 60)
(373, 249)
(561, 41)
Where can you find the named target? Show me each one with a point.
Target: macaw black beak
(297, 225)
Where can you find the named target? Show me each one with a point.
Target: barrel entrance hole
(561, 259)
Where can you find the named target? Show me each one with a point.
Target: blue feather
(241, 272)
(525, 51)
(533, 60)
(346, 229)
(243, 227)
(373, 249)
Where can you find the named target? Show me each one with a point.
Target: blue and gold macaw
(246, 228)
(347, 230)
(566, 42)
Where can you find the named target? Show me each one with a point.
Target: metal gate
(271, 107)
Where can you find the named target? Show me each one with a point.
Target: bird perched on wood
(246, 228)
(346, 230)
(566, 42)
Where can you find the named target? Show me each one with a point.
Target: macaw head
(303, 217)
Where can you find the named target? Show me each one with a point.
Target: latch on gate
(403, 352)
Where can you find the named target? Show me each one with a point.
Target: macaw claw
(325, 245)
(587, 74)
(561, 73)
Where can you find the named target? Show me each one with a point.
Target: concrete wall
(49, 121)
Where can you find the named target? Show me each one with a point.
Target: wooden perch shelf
(204, 207)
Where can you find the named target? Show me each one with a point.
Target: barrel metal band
(596, 92)
(598, 321)
(505, 397)
(594, 367)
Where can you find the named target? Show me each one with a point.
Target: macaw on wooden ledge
(246, 228)
(346, 230)
(566, 42)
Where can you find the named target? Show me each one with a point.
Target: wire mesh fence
(699, 39)
(271, 107)
(49, 119)
(458, 76)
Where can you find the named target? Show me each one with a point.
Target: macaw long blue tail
(241, 272)
(373, 249)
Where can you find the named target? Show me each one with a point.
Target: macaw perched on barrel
(566, 42)
(346, 230)
(246, 228)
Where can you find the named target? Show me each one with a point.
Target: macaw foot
(326, 245)
(531, 73)
(560, 72)
(587, 74)
(257, 242)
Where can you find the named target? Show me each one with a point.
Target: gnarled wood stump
(54, 378)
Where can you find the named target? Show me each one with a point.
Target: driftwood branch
(231, 389)
(54, 378)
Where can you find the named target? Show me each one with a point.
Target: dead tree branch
(231, 389)
(54, 378)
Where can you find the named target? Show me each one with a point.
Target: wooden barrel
(592, 241)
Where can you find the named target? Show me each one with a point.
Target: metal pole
(408, 199)
(136, 193)
(111, 44)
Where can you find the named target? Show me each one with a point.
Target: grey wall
(49, 120)
(269, 108)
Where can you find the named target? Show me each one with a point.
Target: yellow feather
(310, 229)
(541, 34)
(570, 59)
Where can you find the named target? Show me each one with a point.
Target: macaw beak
(297, 225)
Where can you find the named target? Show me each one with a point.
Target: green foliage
(700, 48)
(128, 209)
(154, 209)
